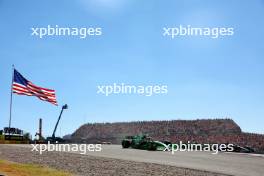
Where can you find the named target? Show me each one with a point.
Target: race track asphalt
(226, 163)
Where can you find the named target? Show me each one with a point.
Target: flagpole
(11, 100)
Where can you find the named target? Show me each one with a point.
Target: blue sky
(206, 78)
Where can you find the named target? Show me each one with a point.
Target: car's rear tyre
(125, 144)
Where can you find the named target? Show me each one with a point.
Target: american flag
(22, 86)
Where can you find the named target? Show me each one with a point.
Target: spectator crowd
(196, 131)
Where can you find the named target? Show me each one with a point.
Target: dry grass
(15, 169)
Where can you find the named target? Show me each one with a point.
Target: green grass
(16, 169)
